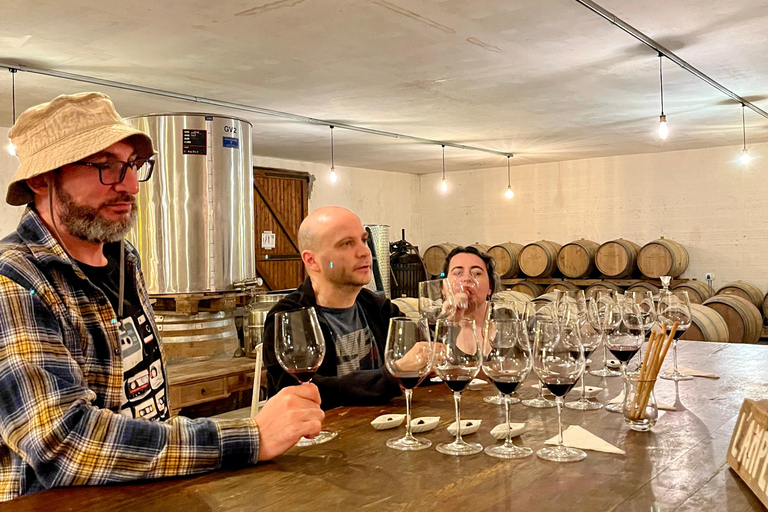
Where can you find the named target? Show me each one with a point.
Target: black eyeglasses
(112, 173)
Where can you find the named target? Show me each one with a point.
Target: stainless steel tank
(194, 228)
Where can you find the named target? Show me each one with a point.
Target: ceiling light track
(653, 44)
(240, 106)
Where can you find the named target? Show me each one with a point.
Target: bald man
(354, 320)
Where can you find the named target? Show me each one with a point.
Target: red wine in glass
(505, 385)
(624, 352)
(303, 374)
(409, 380)
(559, 387)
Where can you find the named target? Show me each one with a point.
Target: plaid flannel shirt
(61, 378)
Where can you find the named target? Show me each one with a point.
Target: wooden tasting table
(679, 466)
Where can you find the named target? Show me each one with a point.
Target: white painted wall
(703, 199)
(9, 215)
(377, 197)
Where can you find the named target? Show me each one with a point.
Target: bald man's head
(333, 245)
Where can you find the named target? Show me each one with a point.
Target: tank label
(194, 142)
(231, 142)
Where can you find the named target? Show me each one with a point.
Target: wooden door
(280, 204)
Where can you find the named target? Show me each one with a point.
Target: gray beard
(87, 224)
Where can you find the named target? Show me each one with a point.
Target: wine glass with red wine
(408, 358)
(624, 342)
(458, 359)
(300, 349)
(505, 309)
(507, 365)
(558, 360)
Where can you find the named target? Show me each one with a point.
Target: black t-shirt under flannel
(143, 373)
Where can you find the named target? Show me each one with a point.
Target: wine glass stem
(408, 394)
(457, 403)
(674, 356)
(541, 391)
(507, 399)
(605, 350)
(583, 389)
(559, 402)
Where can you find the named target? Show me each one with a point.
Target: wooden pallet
(589, 282)
(192, 303)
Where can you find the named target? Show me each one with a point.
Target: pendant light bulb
(334, 177)
(11, 148)
(663, 130)
(745, 158)
(509, 194)
(444, 185)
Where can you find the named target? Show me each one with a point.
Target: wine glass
(642, 303)
(300, 349)
(624, 341)
(435, 300)
(507, 365)
(458, 358)
(542, 311)
(501, 309)
(408, 358)
(571, 303)
(604, 314)
(590, 339)
(675, 306)
(558, 360)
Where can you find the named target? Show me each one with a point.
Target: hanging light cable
(745, 158)
(663, 130)
(11, 147)
(509, 194)
(444, 183)
(334, 178)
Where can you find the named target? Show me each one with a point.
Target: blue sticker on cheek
(331, 264)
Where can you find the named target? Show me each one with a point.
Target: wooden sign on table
(748, 451)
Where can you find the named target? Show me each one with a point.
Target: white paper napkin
(693, 373)
(661, 405)
(577, 437)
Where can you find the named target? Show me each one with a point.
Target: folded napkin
(693, 373)
(577, 437)
(661, 405)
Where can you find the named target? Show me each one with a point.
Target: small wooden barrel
(507, 258)
(563, 285)
(480, 247)
(698, 291)
(765, 306)
(744, 290)
(546, 297)
(577, 259)
(197, 336)
(662, 258)
(539, 259)
(745, 323)
(617, 258)
(511, 295)
(529, 288)
(434, 257)
(409, 306)
(644, 287)
(706, 325)
(602, 286)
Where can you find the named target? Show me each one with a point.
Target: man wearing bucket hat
(83, 394)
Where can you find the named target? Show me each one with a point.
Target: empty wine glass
(604, 314)
(300, 349)
(590, 339)
(541, 311)
(458, 359)
(571, 303)
(507, 365)
(408, 358)
(558, 360)
(675, 306)
(435, 300)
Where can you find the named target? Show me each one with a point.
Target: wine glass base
(605, 372)
(614, 408)
(675, 376)
(499, 400)
(504, 451)
(561, 454)
(584, 404)
(462, 448)
(409, 444)
(323, 437)
(539, 403)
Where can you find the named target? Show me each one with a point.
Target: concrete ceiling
(545, 79)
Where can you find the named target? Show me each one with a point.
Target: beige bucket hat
(63, 131)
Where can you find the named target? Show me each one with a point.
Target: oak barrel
(546, 297)
(744, 290)
(698, 291)
(539, 259)
(617, 258)
(662, 257)
(745, 323)
(511, 295)
(644, 287)
(602, 286)
(434, 257)
(529, 288)
(197, 336)
(507, 259)
(706, 325)
(577, 259)
(480, 247)
(562, 285)
(765, 306)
